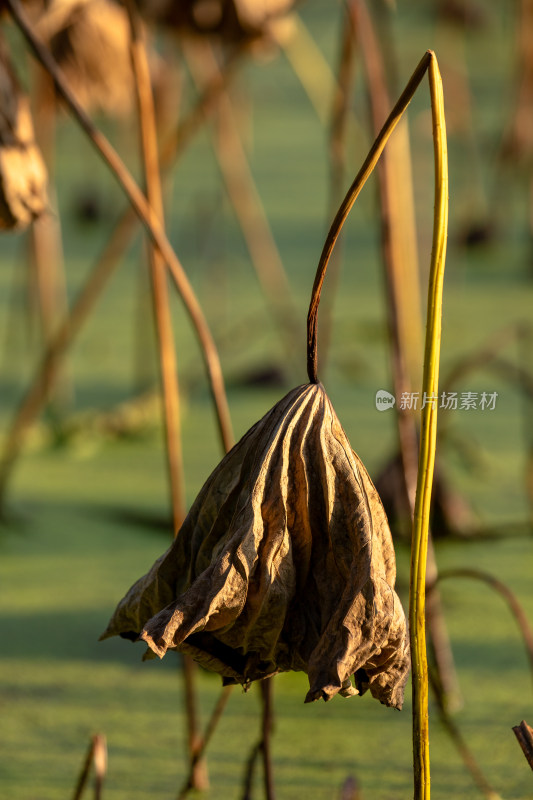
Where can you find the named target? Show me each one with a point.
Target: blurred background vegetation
(86, 507)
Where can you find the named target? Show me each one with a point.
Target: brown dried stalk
(165, 336)
(202, 743)
(97, 757)
(262, 747)
(524, 734)
(158, 272)
(46, 246)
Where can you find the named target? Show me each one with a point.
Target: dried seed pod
(22, 172)
(89, 39)
(285, 562)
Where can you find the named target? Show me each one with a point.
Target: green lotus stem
(428, 436)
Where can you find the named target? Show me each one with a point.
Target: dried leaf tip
(285, 562)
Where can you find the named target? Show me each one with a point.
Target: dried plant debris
(22, 172)
(230, 20)
(90, 41)
(285, 562)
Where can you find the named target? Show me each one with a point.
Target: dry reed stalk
(245, 199)
(198, 776)
(262, 747)
(158, 271)
(267, 723)
(524, 734)
(46, 244)
(204, 740)
(167, 354)
(97, 758)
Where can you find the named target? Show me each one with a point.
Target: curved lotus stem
(346, 205)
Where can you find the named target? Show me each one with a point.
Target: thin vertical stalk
(165, 337)
(197, 766)
(216, 714)
(266, 687)
(428, 438)
(262, 747)
(46, 246)
(158, 272)
(97, 757)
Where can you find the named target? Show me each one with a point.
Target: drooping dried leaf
(285, 562)
(22, 172)
(90, 41)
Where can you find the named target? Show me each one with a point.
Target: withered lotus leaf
(23, 177)
(285, 562)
